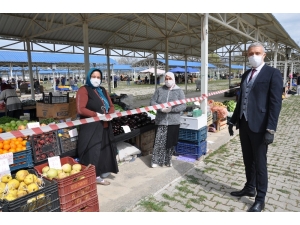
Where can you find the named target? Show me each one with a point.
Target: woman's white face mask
(95, 82)
(169, 83)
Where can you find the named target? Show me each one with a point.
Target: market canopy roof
(151, 70)
(182, 63)
(236, 67)
(49, 58)
(133, 33)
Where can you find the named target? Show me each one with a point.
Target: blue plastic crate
(22, 160)
(188, 148)
(196, 136)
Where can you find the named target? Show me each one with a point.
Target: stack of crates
(192, 142)
(77, 192)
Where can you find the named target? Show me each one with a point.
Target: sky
(291, 23)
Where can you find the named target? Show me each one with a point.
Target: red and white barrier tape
(52, 127)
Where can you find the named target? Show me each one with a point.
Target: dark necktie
(252, 72)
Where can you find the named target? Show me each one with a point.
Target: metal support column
(166, 55)
(185, 74)
(108, 69)
(86, 47)
(30, 69)
(204, 60)
(229, 78)
(275, 55)
(155, 70)
(285, 72)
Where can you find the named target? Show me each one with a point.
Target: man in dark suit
(256, 115)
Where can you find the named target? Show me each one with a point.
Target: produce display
(13, 145)
(44, 145)
(8, 124)
(133, 121)
(230, 104)
(66, 170)
(218, 107)
(22, 184)
(118, 108)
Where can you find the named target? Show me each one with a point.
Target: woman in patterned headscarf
(95, 140)
(13, 104)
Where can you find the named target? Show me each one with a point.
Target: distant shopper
(298, 84)
(57, 81)
(167, 121)
(128, 80)
(36, 85)
(13, 105)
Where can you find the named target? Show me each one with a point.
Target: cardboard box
(57, 111)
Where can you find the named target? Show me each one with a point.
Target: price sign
(9, 156)
(4, 167)
(33, 125)
(73, 133)
(126, 129)
(54, 162)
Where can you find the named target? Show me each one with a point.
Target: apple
(21, 127)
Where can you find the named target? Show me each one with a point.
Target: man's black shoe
(243, 192)
(257, 207)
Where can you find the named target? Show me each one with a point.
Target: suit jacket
(264, 100)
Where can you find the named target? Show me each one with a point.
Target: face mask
(95, 82)
(169, 83)
(255, 60)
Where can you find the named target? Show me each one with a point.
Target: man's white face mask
(255, 60)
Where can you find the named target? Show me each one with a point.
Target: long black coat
(90, 140)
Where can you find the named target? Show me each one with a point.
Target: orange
(1, 145)
(13, 145)
(6, 141)
(14, 138)
(20, 139)
(24, 143)
(6, 147)
(4, 151)
(12, 150)
(17, 142)
(1, 151)
(18, 149)
(20, 146)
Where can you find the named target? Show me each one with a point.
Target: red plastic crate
(77, 201)
(85, 177)
(77, 194)
(91, 205)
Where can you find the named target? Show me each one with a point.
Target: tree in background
(126, 60)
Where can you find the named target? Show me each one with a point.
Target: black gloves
(230, 129)
(269, 138)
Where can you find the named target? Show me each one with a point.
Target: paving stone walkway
(206, 187)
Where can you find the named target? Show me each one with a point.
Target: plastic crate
(66, 143)
(74, 199)
(22, 159)
(48, 203)
(91, 205)
(72, 183)
(195, 136)
(188, 148)
(50, 99)
(42, 148)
